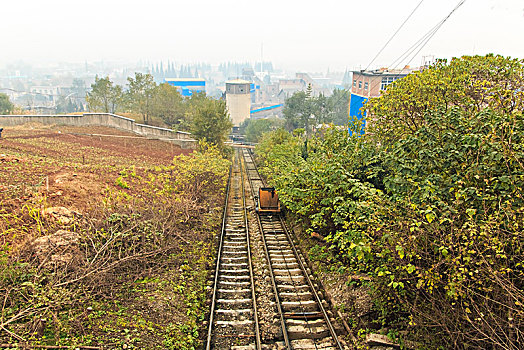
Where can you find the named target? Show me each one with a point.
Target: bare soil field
(105, 238)
(68, 161)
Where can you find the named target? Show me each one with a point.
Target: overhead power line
(420, 44)
(394, 34)
(423, 41)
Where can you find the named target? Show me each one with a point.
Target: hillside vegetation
(105, 241)
(427, 207)
(204, 117)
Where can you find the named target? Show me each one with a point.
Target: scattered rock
(59, 248)
(6, 158)
(61, 214)
(60, 178)
(374, 339)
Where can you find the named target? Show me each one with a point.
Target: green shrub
(434, 218)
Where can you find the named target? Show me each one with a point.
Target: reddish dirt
(71, 166)
(120, 143)
(96, 176)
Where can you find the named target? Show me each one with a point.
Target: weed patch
(129, 267)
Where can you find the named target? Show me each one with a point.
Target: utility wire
(413, 47)
(421, 43)
(394, 34)
(435, 32)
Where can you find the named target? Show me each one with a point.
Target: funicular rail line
(233, 320)
(304, 320)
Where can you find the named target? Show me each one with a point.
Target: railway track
(306, 324)
(234, 319)
(303, 320)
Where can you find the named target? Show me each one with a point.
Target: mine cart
(267, 201)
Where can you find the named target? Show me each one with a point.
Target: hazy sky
(301, 35)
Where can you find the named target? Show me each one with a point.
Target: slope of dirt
(99, 244)
(69, 164)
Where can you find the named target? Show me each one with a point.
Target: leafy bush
(471, 83)
(433, 215)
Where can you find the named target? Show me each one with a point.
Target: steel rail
(217, 269)
(294, 284)
(258, 342)
(273, 231)
(311, 286)
(297, 256)
(272, 276)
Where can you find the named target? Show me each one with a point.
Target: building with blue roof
(368, 84)
(187, 86)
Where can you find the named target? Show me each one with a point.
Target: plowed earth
(70, 164)
(50, 294)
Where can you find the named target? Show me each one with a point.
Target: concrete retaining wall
(103, 119)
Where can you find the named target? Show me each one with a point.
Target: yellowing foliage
(430, 205)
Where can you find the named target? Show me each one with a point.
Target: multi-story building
(238, 100)
(367, 84)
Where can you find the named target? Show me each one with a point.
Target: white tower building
(238, 100)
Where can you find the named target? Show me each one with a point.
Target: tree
(338, 107)
(169, 105)
(6, 107)
(303, 110)
(209, 120)
(64, 105)
(254, 129)
(78, 87)
(470, 82)
(104, 96)
(73, 102)
(428, 206)
(140, 94)
(294, 108)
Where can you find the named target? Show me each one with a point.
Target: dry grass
(132, 270)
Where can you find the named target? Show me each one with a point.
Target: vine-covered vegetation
(105, 245)
(428, 206)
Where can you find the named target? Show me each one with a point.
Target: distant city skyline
(295, 35)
